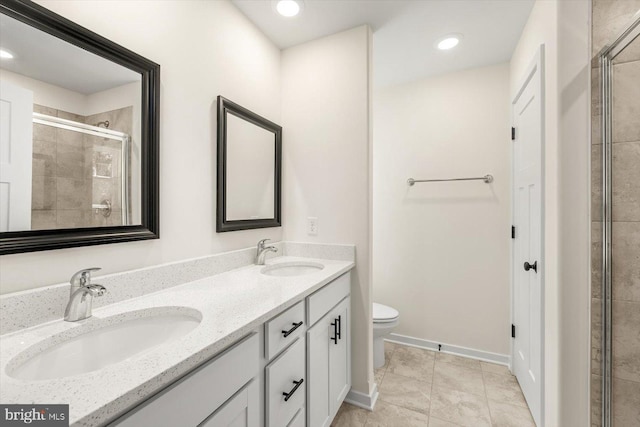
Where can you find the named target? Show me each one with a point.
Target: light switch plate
(312, 226)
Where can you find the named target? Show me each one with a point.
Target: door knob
(533, 266)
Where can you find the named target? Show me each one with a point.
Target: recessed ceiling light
(448, 42)
(288, 8)
(5, 54)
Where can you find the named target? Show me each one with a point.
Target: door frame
(537, 64)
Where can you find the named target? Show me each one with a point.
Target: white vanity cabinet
(294, 371)
(242, 410)
(329, 353)
(220, 393)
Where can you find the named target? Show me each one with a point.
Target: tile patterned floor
(424, 388)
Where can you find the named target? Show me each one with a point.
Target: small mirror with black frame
(249, 169)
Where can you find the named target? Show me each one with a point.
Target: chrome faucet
(262, 250)
(81, 295)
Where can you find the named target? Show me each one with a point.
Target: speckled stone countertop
(231, 305)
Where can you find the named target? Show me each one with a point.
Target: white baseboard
(362, 400)
(502, 359)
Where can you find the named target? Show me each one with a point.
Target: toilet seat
(384, 314)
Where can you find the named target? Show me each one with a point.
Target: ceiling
(405, 31)
(44, 57)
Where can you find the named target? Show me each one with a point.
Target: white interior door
(16, 146)
(528, 266)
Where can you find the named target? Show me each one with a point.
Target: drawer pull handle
(336, 335)
(340, 327)
(287, 396)
(290, 331)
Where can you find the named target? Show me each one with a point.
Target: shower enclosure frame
(606, 57)
(101, 132)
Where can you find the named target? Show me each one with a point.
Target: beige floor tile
(503, 388)
(387, 415)
(350, 416)
(465, 409)
(504, 415)
(406, 392)
(413, 363)
(436, 422)
(458, 378)
(494, 368)
(458, 360)
(389, 348)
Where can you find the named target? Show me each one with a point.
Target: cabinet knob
(533, 266)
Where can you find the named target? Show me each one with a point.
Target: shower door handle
(533, 266)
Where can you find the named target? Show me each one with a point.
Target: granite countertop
(231, 305)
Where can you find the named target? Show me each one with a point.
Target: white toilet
(385, 320)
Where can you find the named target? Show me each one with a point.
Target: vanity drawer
(320, 302)
(289, 323)
(286, 374)
(190, 400)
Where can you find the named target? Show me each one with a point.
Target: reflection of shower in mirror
(89, 161)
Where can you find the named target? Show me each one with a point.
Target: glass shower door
(620, 93)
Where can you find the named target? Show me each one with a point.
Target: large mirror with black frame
(249, 169)
(79, 141)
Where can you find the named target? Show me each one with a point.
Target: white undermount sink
(105, 342)
(289, 269)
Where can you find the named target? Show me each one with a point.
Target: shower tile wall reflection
(74, 172)
(609, 19)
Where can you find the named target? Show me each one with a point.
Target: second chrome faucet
(262, 251)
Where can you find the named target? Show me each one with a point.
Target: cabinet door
(300, 420)
(242, 410)
(318, 407)
(340, 357)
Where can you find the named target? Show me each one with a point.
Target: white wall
(326, 143)
(47, 94)
(564, 28)
(67, 100)
(205, 49)
(574, 211)
(441, 250)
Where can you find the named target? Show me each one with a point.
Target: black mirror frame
(226, 106)
(40, 240)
